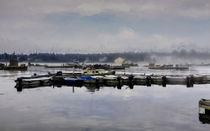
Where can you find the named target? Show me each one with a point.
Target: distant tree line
(52, 57)
(103, 57)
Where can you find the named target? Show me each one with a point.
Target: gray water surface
(172, 108)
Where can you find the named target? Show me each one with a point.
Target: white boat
(97, 72)
(204, 103)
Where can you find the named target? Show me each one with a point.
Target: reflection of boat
(127, 64)
(110, 80)
(176, 80)
(204, 118)
(88, 79)
(73, 81)
(100, 79)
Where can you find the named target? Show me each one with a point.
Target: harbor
(95, 75)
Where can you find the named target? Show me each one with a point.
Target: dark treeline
(105, 57)
(52, 57)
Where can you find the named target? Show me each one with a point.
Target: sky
(103, 26)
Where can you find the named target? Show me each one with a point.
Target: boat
(33, 81)
(73, 81)
(204, 103)
(2, 66)
(168, 67)
(117, 67)
(13, 66)
(91, 72)
(59, 66)
(21, 67)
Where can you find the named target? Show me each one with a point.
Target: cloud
(102, 25)
(140, 8)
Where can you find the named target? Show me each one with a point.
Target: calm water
(142, 108)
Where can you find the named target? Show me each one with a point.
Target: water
(142, 108)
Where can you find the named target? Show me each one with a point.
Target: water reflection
(122, 108)
(204, 118)
(89, 87)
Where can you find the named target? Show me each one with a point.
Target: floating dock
(60, 78)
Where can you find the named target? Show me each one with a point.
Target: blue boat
(88, 79)
(73, 81)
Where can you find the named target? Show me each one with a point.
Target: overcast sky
(92, 26)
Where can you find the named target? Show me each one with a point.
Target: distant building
(119, 60)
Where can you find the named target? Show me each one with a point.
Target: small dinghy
(33, 82)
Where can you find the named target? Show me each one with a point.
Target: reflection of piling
(164, 81)
(19, 86)
(119, 86)
(73, 89)
(130, 78)
(148, 81)
(189, 81)
(207, 111)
